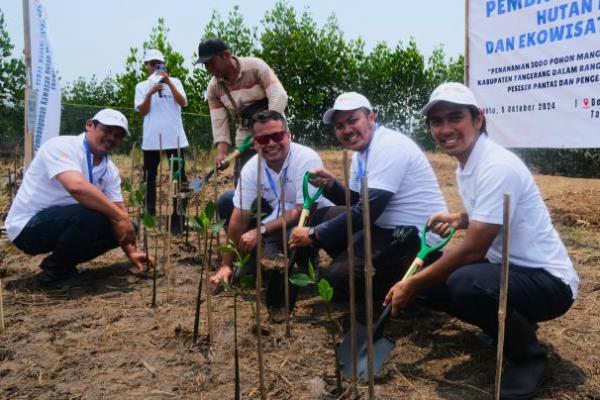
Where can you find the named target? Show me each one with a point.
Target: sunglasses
(263, 140)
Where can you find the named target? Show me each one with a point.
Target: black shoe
(176, 227)
(523, 380)
(277, 314)
(54, 278)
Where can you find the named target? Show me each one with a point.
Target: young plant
(203, 225)
(245, 284)
(147, 221)
(326, 294)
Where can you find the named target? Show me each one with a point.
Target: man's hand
(321, 178)
(400, 295)
(157, 87)
(441, 222)
(124, 231)
(139, 260)
(223, 274)
(248, 241)
(299, 238)
(164, 75)
(222, 150)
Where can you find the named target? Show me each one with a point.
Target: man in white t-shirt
(402, 188)
(159, 100)
(282, 161)
(70, 201)
(465, 281)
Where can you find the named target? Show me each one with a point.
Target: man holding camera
(242, 85)
(159, 99)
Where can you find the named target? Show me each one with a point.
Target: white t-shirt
(299, 160)
(164, 117)
(491, 171)
(40, 188)
(394, 163)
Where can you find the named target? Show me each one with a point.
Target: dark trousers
(391, 258)
(151, 161)
(73, 234)
(471, 294)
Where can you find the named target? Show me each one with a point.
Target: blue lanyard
(362, 171)
(90, 165)
(272, 181)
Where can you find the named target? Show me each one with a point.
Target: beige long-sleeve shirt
(255, 81)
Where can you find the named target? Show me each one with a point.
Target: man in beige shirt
(242, 85)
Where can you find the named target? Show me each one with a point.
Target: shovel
(382, 346)
(275, 296)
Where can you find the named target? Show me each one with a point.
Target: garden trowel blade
(382, 347)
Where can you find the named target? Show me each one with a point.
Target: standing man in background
(242, 85)
(159, 99)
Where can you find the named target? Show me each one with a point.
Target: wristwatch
(312, 234)
(263, 229)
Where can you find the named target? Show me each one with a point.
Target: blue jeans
(73, 234)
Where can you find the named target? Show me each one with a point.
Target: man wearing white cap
(465, 281)
(159, 100)
(70, 201)
(402, 189)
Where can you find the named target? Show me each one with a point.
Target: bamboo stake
(2, 327)
(160, 178)
(199, 295)
(467, 47)
(261, 368)
(167, 243)
(131, 177)
(284, 242)
(368, 284)
(350, 251)
(503, 292)
(207, 289)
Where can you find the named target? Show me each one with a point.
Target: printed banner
(44, 99)
(534, 65)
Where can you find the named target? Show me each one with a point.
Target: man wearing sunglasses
(70, 201)
(402, 189)
(241, 85)
(283, 161)
(159, 100)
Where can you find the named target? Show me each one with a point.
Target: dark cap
(209, 48)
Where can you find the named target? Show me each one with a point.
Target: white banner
(534, 65)
(44, 99)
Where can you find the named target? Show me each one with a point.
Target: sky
(94, 37)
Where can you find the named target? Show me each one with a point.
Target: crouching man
(70, 201)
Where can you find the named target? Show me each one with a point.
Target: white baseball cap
(345, 102)
(154, 54)
(112, 117)
(451, 92)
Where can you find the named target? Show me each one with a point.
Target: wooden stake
(2, 327)
(160, 186)
(261, 372)
(284, 242)
(167, 245)
(350, 251)
(368, 284)
(503, 291)
(132, 176)
(467, 47)
(207, 289)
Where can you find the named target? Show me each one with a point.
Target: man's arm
(144, 107)
(273, 88)
(176, 89)
(91, 197)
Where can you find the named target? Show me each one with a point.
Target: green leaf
(209, 209)
(228, 248)
(138, 197)
(226, 285)
(301, 280)
(148, 221)
(311, 271)
(216, 227)
(246, 282)
(325, 290)
(127, 188)
(245, 259)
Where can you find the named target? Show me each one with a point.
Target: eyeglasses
(263, 140)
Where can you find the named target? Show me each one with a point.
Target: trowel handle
(380, 324)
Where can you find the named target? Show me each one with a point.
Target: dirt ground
(99, 338)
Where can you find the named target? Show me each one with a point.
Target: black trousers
(472, 292)
(391, 258)
(151, 161)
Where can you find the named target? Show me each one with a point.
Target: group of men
(70, 201)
